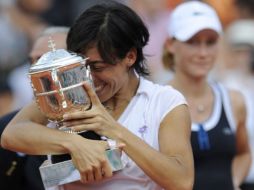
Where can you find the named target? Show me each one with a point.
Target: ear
(170, 45)
(131, 57)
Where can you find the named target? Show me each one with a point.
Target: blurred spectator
(239, 75)
(20, 24)
(25, 16)
(155, 14)
(61, 13)
(245, 8)
(222, 8)
(18, 79)
(19, 171)
(5, 98)
(173, 3)
(14, 45)
(239, 44)
(64, 13)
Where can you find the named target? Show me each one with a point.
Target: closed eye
(97, 66)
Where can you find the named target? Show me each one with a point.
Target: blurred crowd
(23, 21)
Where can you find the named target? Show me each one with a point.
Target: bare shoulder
(237, 99)
(238, 104)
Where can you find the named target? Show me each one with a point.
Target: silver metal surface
(57, 79)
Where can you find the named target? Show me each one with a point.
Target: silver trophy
(57, 79)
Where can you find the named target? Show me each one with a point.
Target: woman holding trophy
(150, 123)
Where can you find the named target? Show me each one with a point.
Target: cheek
(215, 52)
(182, 57)
(118, 79)
(102, 75)
(110, 79)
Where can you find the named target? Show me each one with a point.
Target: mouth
(99, 87)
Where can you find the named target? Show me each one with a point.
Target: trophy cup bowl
(58, 84)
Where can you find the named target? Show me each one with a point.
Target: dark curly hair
(114, 29)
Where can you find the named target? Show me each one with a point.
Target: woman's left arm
(242, 160)
(171, 167)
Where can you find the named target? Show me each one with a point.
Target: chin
(200, 76)
(202, 72)
(103, 98)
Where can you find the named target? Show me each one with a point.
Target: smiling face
(196, 56)
(110, 80)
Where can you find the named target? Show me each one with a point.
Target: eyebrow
(94, 62)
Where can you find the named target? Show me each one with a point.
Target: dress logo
(142, 131)
(227, 131)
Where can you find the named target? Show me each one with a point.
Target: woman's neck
(198, 94)
(128, 90)
(190, 87)
(117, 104)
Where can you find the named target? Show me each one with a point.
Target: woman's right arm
(27, 133)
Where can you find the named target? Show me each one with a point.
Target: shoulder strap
(227, 105)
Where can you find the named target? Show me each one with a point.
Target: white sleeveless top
(142, 117)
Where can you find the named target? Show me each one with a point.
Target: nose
(203, 49)
(93, 74)
(94, 77)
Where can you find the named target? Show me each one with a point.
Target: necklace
(113, 108)
(200, 108)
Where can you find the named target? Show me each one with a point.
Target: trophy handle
(54, 76)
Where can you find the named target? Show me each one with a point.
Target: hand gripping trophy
(57, 80)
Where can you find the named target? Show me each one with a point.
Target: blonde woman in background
(219, 139)
(239, 61)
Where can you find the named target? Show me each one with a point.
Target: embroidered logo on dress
(142, 131)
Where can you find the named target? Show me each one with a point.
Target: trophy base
(65, 172)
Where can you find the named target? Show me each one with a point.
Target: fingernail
(121, 145)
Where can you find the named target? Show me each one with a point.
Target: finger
(87, 127)
(78, 115)
(74, 115)
(83, 178)
(107, 171)
(75, 122)
(108, 144)
(120, 145)
(90, 176)
(98, 173)
(91, 93)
